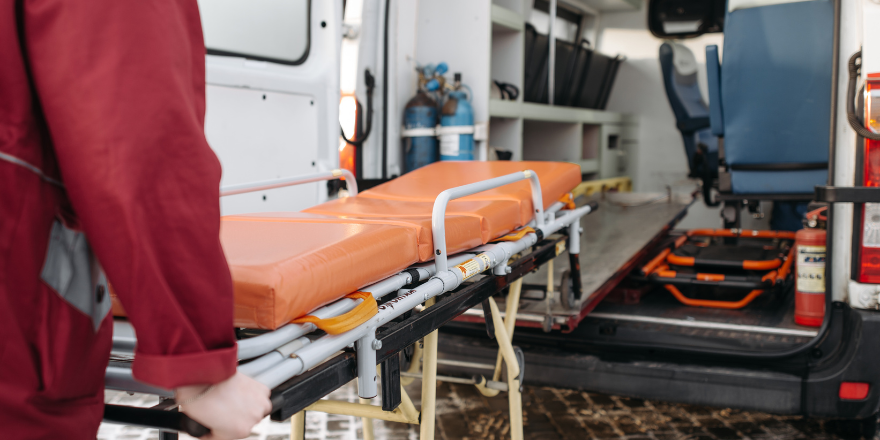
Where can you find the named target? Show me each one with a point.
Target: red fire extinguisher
(809, 299)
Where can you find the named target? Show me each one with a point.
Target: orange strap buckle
(514, 236)
(346, 321)
(568, 201)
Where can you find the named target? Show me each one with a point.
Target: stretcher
(750, 261)
(326, 295)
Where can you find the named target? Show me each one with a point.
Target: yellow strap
(568, 201)
(514, 236)
(346, 321)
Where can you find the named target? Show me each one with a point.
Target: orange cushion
(285, 265)
(283, 268)
(424, 184)
(496, 218)
(462, 232)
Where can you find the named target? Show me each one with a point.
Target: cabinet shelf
(506, 19)
(552, 113)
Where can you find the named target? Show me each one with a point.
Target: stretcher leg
(548, 319)
(429, 386)
(514, 396)
(509, 324)
(298, 426)
(429, 383)
(367, 423)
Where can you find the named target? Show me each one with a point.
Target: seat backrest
(679, 67)
(776, 83)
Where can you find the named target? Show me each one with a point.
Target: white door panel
(261, 135)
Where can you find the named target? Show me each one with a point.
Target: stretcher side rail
(342, 173)
(438, 216)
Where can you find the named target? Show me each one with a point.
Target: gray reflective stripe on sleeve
(73, 272)
(14, 160)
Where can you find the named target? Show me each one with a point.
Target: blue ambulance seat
(771, 98)
(679, 67)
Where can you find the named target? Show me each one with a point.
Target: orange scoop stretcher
(755, 261)
(286, 264)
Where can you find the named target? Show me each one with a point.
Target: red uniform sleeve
(122, 87)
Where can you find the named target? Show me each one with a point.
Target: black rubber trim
(794, 166)
(297, 62)
(384, 172)
(415, 275)
(770, 197)
(839, 194)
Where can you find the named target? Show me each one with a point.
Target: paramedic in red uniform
(102, 106)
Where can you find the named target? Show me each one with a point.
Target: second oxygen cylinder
(457, 127)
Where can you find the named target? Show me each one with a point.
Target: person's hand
(230, 409)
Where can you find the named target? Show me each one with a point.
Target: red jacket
(109, 97)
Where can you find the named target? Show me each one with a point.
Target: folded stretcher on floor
(403, 243)
(723, 262)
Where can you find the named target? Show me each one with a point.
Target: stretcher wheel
(566, 291)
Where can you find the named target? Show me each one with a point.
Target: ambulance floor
(550, 414)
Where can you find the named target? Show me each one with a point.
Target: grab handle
(172, 421)
(350, 182)
(438, 217)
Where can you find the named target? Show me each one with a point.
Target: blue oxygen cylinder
(419, 120)
(457, 126)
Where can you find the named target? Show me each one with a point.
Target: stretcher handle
(350, 182)
(438, 215)
(154, 418)
(171, 421)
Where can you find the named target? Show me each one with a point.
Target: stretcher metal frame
(285, 361)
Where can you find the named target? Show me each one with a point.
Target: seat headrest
(683, 59)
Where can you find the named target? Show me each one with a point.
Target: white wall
(660, 160)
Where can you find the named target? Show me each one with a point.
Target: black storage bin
(535, 74)
(583, 77)
(609, 81)
(595, 85)
(570, 60)
(568, 75)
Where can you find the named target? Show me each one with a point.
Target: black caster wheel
(566, 291)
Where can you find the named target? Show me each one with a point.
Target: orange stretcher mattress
(426, 183)
(495, 217)
(285, 265)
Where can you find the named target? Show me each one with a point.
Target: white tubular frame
(316, 352)
(350, 182)
(438, 216)
(285, 353)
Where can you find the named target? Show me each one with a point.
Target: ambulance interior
(642, 95)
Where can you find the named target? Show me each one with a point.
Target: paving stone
(548, 414)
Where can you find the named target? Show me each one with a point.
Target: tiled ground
(549, 414)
